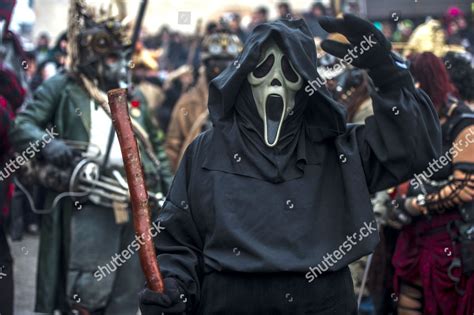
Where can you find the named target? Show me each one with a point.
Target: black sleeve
(402, 136)
(179, 245)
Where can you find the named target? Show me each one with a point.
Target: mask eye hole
(288, 71)
(265, 67)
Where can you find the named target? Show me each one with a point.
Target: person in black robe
(269, 206)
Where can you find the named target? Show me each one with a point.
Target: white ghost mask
(274, 83)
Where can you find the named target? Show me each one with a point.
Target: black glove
(397, 214)
(58, 153)
(172, 301)
(368, 49)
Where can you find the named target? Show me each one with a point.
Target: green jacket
(62, 103)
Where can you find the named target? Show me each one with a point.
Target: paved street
(25, 253)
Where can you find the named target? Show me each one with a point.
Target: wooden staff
(136, 183)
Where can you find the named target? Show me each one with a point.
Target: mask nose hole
(275, 82)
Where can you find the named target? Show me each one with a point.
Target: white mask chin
(274, 83)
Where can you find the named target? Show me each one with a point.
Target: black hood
(237, 129)
(324, 116)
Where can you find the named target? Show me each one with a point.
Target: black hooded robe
(246, 233)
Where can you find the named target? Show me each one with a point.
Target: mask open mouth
(274, 111)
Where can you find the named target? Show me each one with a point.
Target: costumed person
(461, 72)
(176, 83)
(11, 98)
(190, 114)
(145, 78)
(6, 259)
(434, 257)
(270, 205)
(14, 88)
(12, 95)
(86, 262)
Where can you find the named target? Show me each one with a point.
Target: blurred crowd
(172, 70)
(170, 61)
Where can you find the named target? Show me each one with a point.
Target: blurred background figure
(428, 36)
(190, 115)
(231, 22)
(30, 71)
(42, 47)
(52, 63)
(461, 71)
(432, 77)
(176, 83)
(284, 10)
(355, 94)
(162, 40)
(145, 78)
(387, 29)
(57, 55)
(457, 29)
(316, 10)
(259, 16)
(11, 50)
(174, 52)
(403, 31)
